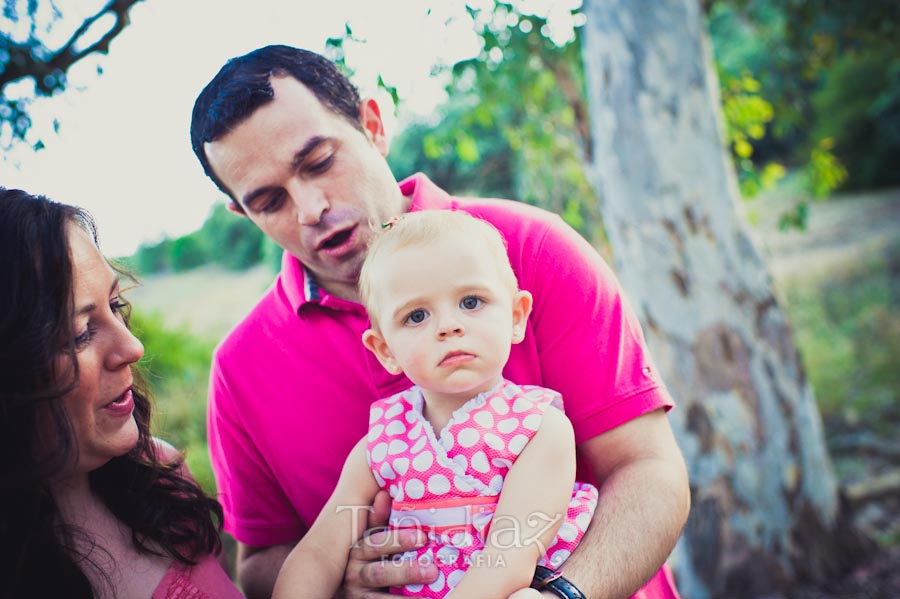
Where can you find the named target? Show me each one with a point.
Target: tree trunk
(767, 512)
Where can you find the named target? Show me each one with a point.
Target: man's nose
(310, 201)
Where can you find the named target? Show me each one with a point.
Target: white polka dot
(583, 520)
(501, 463)
(499, 405)
(401, 465)
(379, 452)
(446, 440)
(415, 488)
(454, 577)
(410, 416)
(459, 460)
(479, 462)
(375, 414)
(522, 405)
(516, 444)
(460, 418)
(494, 442)
(375, 431)
(397, 446)
(467, 437)
(415, 431)
(462, 485)
(484, 419)
(438, 484)
(387, 473)
(393, 411)
(496, 484)
(378, 479)
(438, 585)
(508, 425)
(397, 492)
(419, 444)
(414, 589)
(462, 539)
(447, 555)
(395, 428)
(559, 557)
(567, 532)
(532, 422)
(423, 461)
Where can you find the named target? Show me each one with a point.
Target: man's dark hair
(242, 86)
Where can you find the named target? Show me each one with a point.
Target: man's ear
(233, 206)
(370, 119)
(376, 344)
(521, 308)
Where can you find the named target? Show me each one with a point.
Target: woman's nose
(126, 349)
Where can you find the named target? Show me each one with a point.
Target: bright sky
(123, 149)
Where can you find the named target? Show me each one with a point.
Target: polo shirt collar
(300, 285)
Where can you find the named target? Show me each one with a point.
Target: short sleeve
(257, 512)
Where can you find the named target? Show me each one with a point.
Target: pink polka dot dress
(448, 485)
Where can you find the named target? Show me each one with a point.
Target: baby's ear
(376, 344)
(521, 308)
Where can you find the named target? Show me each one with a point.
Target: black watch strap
(546, 579)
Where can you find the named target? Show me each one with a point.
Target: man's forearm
(640, 514)
(258, 568)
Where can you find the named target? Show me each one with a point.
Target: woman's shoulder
(165, 451)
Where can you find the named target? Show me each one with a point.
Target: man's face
(311, 181)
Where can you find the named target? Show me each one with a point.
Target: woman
(91, 505)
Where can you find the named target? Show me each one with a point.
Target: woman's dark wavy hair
(167, 513)
(242, 86)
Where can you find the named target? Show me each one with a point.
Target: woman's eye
(118, 306)
(470, 302)
(84, 338)
(417, 316)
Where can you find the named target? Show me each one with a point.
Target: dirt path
(840, 233)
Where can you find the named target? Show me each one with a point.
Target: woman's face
(101, 406)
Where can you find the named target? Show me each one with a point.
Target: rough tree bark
(767, 512)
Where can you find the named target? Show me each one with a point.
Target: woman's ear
(376, 344)
(521, 308)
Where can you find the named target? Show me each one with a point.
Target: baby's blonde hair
(424, 227)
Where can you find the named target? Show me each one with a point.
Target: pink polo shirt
(291, 384)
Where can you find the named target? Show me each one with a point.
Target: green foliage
(848, 332)
(516, 122)
(224, 238)
(176, 368)
(831, 73)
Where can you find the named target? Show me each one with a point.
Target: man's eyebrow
(311, 144)
(91, 307)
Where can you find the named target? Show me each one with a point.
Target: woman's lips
(122, 405)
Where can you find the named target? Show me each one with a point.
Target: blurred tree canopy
(39, 42)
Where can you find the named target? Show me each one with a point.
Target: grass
(847, 329)
(176, 367)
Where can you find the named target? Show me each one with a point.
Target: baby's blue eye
(417, 316)
(470, 302)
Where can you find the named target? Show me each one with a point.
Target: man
(288, 139)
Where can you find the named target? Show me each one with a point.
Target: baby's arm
(532, 506)
(315, 567)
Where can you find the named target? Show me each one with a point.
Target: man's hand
(370, 569)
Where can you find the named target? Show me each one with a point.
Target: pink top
(206, 580)
(447, 483)
(291, 385)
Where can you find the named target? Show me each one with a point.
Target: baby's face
(446, 318)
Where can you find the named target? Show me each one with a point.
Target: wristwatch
(546, 579)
